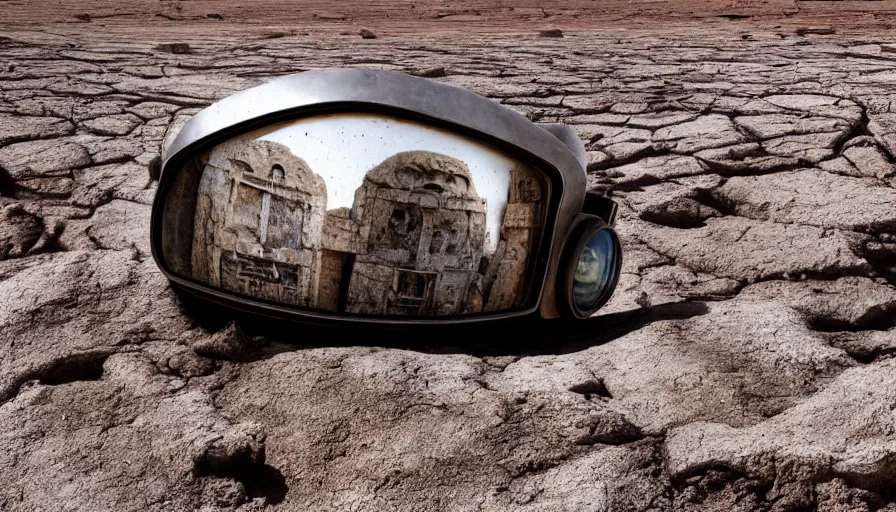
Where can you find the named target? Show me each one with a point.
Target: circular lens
(596, 271)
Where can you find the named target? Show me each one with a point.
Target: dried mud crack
(745, 362)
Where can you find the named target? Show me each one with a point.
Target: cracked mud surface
(745, 362)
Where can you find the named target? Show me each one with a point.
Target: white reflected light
(341, 148)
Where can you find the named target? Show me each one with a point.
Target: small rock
(836, 495)
(237, 450)
(19, 231)
(175, 48)
(366, 34)
(556, 32)
(438, 72)
(83, 17)
(277, 35)
(821, 31)
(596, 160)
(331, 16)
(214, 16)
(48, 187)
(186, 364)
(612, 429)
(681, 212)
(176, 385)
(230, 343)
(223, 492)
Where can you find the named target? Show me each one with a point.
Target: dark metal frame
(554, 149)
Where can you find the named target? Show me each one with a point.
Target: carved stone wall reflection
(413, 242)
(422, 229)
(259, 218)
(505, 280)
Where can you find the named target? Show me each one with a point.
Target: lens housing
(591, 265)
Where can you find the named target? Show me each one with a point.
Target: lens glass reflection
(595, 273)
(359, 214)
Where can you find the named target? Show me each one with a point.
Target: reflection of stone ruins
(412, 243)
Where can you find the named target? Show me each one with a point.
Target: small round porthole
(593, 263)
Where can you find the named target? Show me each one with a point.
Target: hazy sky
(341, 148)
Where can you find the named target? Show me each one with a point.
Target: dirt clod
(175, 48)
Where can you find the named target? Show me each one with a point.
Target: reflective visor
(362, 214)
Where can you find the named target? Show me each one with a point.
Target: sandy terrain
(203, 18)
(744, 364)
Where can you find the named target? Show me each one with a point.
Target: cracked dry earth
(745, 362)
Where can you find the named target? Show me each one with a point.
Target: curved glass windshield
(359, 214)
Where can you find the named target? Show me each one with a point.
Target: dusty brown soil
(745, 363)
(205, 18)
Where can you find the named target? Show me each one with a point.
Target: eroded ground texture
(753, 369)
